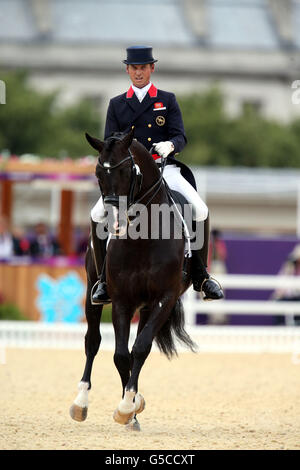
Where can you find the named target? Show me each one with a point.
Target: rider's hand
(164, 148)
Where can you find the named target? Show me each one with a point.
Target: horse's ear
(94, 142)
(127, 140)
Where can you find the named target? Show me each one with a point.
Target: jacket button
(132, 127)
(149, 139)
(149, 125)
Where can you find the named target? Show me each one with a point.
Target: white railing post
(194, 305)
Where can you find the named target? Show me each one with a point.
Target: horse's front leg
(79, 408)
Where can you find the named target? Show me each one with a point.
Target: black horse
(144, 274)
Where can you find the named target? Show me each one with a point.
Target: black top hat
(139, 55)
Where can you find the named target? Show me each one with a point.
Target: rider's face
(140, 74)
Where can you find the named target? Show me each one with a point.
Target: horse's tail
(174, 329)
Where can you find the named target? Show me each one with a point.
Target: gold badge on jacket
(160, 120)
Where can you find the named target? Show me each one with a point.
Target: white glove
(164, 148)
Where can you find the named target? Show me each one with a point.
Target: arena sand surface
(196, 401)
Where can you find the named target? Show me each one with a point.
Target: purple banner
(255, 255)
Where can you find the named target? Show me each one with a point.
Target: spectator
(217, 265)
(6, 239)
(43, 245)
(21, 242)
(217, 253)
(291, 267)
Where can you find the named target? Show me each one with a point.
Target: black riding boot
(99, 291)
(100, 295)
(201, 278)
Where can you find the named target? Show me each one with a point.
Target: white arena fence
(209, 338)
(244, 307)
(227, 339)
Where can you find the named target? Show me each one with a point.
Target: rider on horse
(156, 118)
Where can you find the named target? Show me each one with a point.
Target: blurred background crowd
(38, 241)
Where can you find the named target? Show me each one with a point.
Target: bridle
(136, 181)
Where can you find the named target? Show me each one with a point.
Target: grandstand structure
(250, 47)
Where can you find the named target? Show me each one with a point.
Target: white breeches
(175, 181)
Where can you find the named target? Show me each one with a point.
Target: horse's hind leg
(157, 317)
(139, 400)
(78, 410)
(132, 402)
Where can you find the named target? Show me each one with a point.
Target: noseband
(136, 178)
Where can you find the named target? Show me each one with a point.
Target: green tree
(206, 126)
(32, 122)
(257, 141)
(214, 138)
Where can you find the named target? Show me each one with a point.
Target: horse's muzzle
(117, 224)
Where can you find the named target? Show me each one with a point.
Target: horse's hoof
(139, 403)
(78, 413)
(134, 425)
(123, 418)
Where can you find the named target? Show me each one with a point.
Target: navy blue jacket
(157, 118)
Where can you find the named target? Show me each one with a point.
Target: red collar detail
(152, 92)
(130, 93)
